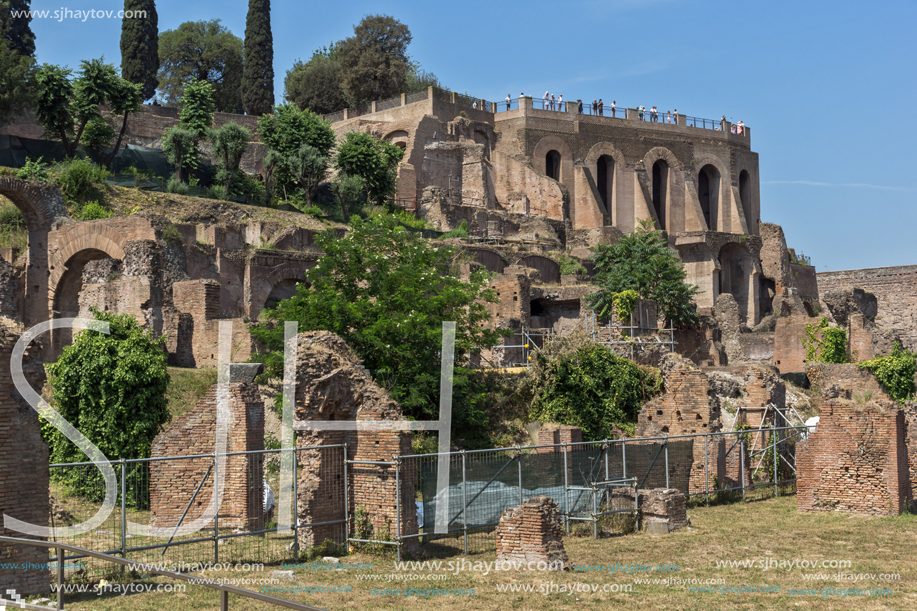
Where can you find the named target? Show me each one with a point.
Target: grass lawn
(768, 531)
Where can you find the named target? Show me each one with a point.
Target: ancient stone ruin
(856, 461)
(532, 532)
(663, 510)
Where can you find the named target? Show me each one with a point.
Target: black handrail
(225, 590)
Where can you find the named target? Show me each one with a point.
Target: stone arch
(613, 182)
(399, 138)
(661, 166)
(88, 235)
(42, 207)
(721, 220)
(554, 143)
(548, 268)
(481, 137)
(490, 259)
(282, 277)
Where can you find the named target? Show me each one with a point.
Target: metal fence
(170, 492)
(591, 481)
(389, 103)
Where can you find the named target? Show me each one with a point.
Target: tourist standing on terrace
(741, 127)
(668, 117)
(547, 99)
(560, 102)
(579, 106)
(675, 116)
(508, 100)
(613, 106)
(640, 111)
(595, 107)
(553, 101)
(601, 106)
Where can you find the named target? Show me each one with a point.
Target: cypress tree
(140, 46)
(258, 59)
(16, 30)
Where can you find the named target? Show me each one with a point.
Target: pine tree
(258, 70)
(16, 29)
(140, 46)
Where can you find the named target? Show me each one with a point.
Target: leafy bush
(180, 148)
(174, 185)
(138, 174)
(34, 169)
(570, 266)
(824, 344)
(216, 192)
(229, 145)
(895, 372)
(78, 179)
(459, 232)
(11, 217)
(99, 135)
(91, 211)
(110, 387)
(372, 159)
(249, 186)
(593, 389)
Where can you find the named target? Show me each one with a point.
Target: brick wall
(855, 461)
(23, 478)
(172, 483)
(894, 287)
(789, 353)
(199, 334)
(331, 384)
(531, 532)
(910, 422)
(847, 377)
(688, 406)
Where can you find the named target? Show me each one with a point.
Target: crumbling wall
(172, 482)
(855, 461)
(910, 439)
(23, 471)
(532, 532)
(666, 506)
(688, 406)
(331, 384)
(847, 380)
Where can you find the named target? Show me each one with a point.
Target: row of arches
(709, 183)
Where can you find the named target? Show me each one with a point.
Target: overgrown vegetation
(586, 385)
(570, 266)
(823, 343)
(895, 372)
(386, 292)
(642, 261)
(459, 232)
(112, 388)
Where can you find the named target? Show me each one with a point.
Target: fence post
(774, 440)
(667, 463)
(216, 508)
(464, 503)
(346, 500)
(595, 515)
(60, 578)
(123, 510)
(398, 506)
(742, 464)
(519, 464)
(605, 447)
(295, 507)
(566, 492)
(706, 469)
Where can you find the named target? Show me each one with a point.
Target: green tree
(229, 144)
(16, 29)
(284, 132)
(111, 387)
(198, 108)
(386, 292)
(65, 106)
(307, 166)
(202, 50)
(372, 159)
(258, 72)
(316, 85)
(17, 73)
(374, 60)
(140, 46)
(179, 145)
(593, 389)
(642, 261)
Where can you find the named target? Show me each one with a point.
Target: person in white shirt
(675, 116)
(613, 106)
(547, 99)
(508, 100)
(560, 102)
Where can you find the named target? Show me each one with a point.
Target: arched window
(605, 177)
(708, 192)
(660, 185)
(552, 165)
(745, 196)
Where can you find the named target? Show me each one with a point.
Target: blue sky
(827, 88)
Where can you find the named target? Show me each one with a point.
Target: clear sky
(827, 88)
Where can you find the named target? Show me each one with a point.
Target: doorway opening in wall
(552, 165)
(660, 184)
(766, 292)
(708, 192)
(745, 197)
(605, 176)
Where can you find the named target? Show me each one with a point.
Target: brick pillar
(23, 480)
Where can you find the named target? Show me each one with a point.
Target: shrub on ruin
(592, 388)
(372, 159)
(91, 211)
(34, 169)
(112, 388)
(823, 343)
(386, 291)
(895, 372)
(79, 179)
(229, 143)
(642, 261)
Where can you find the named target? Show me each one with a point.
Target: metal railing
(714, 124)
(223, 589)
